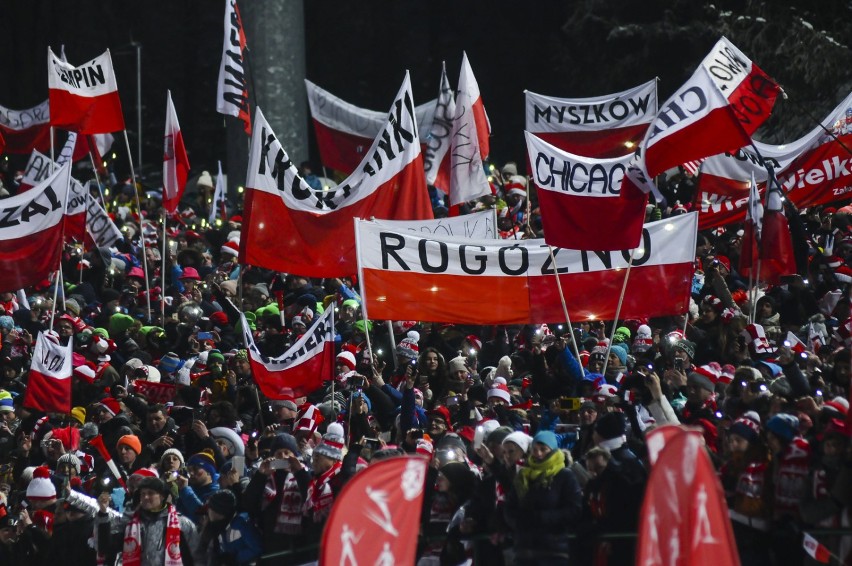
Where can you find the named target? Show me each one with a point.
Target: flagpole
(618, 312)
(141, 224)
(97, 177)
(756, 288)
(163, 270)
(55, 295)
(562, 298)
(51, 150)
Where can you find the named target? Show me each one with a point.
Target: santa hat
(308, 419)
(424, 448)
(86, 373)
(111, 405)
(705, 377)
(500, 391)
(230, 248)
(146, 473)
(408, 347)
(756, 339)
(474, 341)
(347, 359)
(516, 185)
(40, 487)
(838, 405)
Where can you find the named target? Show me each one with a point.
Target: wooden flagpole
(141, 225)
(618, 312)
(564, 306)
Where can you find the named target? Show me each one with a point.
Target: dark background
(359, 51)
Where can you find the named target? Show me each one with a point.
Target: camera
(678, 364)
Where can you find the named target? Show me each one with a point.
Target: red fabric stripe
(299, 381)
(48, 394)
(27, 260)
(482, 130)
(22, 142)
(86, 115)
(601, 144)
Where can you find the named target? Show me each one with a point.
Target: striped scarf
(289, 518)
(132, 553)
(320, 495)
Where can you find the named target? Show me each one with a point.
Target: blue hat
(548, 438)
(7, 322)
(784, 426)
(620, 350)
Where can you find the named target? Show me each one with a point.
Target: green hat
(119, 323)
(351, 303)
(622, 334)
(359, 324)
(102, 332)
(215, 356)
(270, 309)
(251, 318)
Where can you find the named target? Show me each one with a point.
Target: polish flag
(84, 99)
(776, 244)
(815, 549)
(302, 369)
(175, 161)
(345, 132)
(436, 160)
(49, 385)
(751, 232)
(469, 141)
(795, 345)
(580, 201)
(290, 227)
(603, 127)
(26, 130)
(31, 234)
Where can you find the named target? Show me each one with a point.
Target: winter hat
(458, 363)
(746, 428)
(230, 286)
(190, 273)
(287, 403)
(170, 363)
(611, 425)
(620, 351)
(150, 373)
(704, 377)
(686, 347)
(230, 248)
(424, 448)
(499, 434)
(408, 347)
(516, 185)
(347, 359)
(131, 441)
(442, 413)
(332, 443)
(622, 334)
(838, 405)
(308, 420)
(173, 452)
(223, 502)
(73, 306)
(215, 356)
(500, 391)
(219, 318)
(509, 169)
(152, 483)
(504, 368)
(784, 426)
(522, 440)
(43, 520)
(119, 323)
(111, 405)
(77, 413)
(297, 320)
(548, 438)
(229, 437)
(643, 340)
(70, 458)
(726, 375)
(203, 460)
(40, 487)
(284, 441)
(146, 473)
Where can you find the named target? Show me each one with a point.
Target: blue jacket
(241, 540)
(190, 499)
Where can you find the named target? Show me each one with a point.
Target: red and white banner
(100, 227)
(814, 174)
(75, 216)
(290, 227)
(749, 91)
(580, 199)
(602, 127)
(684, 518)
(302, 369)
(36, 171)
(49, 385)
(84, 99)
(469, 144)
(407, 276)
(345, 132)
(436, 159)
(376, 518)
(815, 549)
(749, 249)
(155, 392)
(26, 130)
(31, 232)
(475, 226)
(175, 161)
(232, 98)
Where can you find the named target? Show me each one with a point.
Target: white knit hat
(332, 443)
(40, 487)
(519, 438)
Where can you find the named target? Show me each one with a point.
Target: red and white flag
(75, 215)
(436, 160)
(37, 170)
(751, 232)
(684, 518)
(26, 130)
(345, 132)
(31, 232)
(580, 201)
(816, 549)
(469, 145)
(376, 518)
(232, 98)
(175, 161)
(776, 244)
(84, 99)
(155, 392)
(796, 346)
(302, 369)
(49, 385)
(603, 127)
(410, 276)
(101, 229)
(290, 227)
(749, 91)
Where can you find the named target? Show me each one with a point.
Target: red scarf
(320, 496)
(132, 553)
(289, 518)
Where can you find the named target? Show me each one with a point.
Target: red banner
(376, 518)
(291, 227)
(684, 518)
(155, 392)
(26, 130)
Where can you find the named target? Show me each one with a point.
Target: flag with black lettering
(469, 145)
(292, 227)
(602, 127)
(218, 197)
(49, 384)
(31, 231)
(580, 200)
(175, 160)
(300, 370)
(99, 226)
(345, 132)
(37, 170)
(75, 215)
(84, 99)
(232, 98)
(416, 276)
(436, 160)
(26, 130)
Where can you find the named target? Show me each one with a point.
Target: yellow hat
(79, 414)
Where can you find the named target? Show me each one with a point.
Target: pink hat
(190, 273)
(136, 272)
